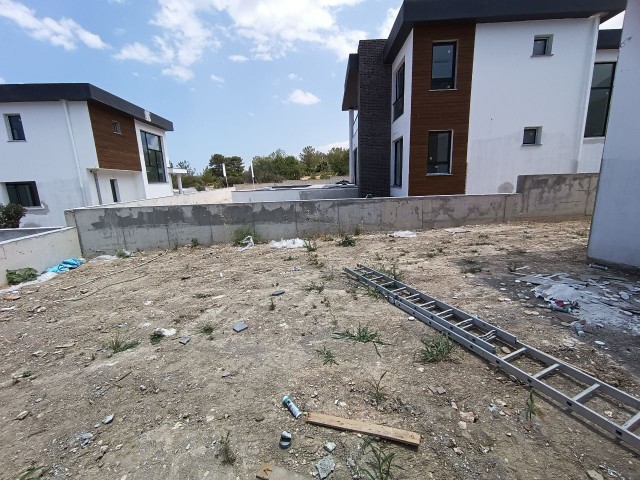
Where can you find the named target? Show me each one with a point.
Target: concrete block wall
(541, 197)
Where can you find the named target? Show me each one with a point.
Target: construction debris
(325, 466)
(269, 471)
(239, 326)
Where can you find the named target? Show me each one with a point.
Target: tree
(11, 214)
(233, 166)
(338, 159)
(276, 167)
(187, 166)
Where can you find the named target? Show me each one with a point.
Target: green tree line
(275, 167)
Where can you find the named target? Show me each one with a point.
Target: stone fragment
(239, 326)
(22, 415)
(184, 340)
(593, 475)
(468, 417)
(462, 425)
(107, 420)
(325, 466)
(440, 391)
(330, 447)
(277, 293)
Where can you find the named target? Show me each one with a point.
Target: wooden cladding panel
(115, 151)
(440, 110)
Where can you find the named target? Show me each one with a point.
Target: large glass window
(23, 193)
(443, 66)
(398, 103)
(16, 131)
(439, 155)
(397, 163)
(599, 100)
(153, 159)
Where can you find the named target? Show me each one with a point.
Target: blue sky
(237, 77)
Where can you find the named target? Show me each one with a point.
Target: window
(542, 45)
(153, 159)
(397, 163)
(598, 112)
(443, 66)
(439, 155)
(114, 190)
(23, 193)
(14, 125)
(116, 127)
(531, 136)
(398, 103)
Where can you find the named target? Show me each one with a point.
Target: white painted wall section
(615, 229)
(401, 127)
(512, 90)
(154, 190)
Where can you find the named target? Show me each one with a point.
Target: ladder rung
(585, 394)
(489, 334)
(632, 423)
(513, 355)
(547, 371)
(444, 312)
(397, 290)
(410, 297)
(465, 323)
(388, 283)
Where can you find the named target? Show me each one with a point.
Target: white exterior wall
(130, 185)
(616, 224)
(401, 127)
(592, 147)
(154, 190)
(47, 157)
(512, 90)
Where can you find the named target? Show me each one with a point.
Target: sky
(236, 77)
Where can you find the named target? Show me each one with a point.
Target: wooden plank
(382, 431)
(268, 471)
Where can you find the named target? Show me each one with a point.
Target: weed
(328, 276)
(473, 269)
(206, 329)
(289, 258)
(440, 250)
(474, 250)
(531, 407)
(326, 302)
(272, 305)
(377, 390)
(436, 349)
(118, 345)
(357, 231)
(175, 247)
(431, 254)
(327, 238)
(313, 305)
(243, 232)
(310, 246)
(202, 295)
(381, 465)
(483, 235)
(347, 241)
(512, 267)
(313, 287)
(156, 337)
(31, 473)
(327, 356)
(25, 374)
(379, 257)
(362, 335)
(195, 242)
(393, 271)
(228, 456)
(313, 260)
(122, 253)
(373, 293)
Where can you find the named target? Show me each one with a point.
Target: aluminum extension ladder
(482, 338)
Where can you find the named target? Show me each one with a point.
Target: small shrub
(228, 456)
(206, 329)
(327, 238)
(315, 261)
(436, 348)
(377, 391)
(310, 246)
(243, 232)
(156, 337)
(326, 302)
(531, 407)
(512, 267)
(272, 306)
(313, 287)
(474, 269)
(362, 335)
(289, 258)
(381, 464)
(11, 214)
(117, 345)
(20, 275)
(327, 356)
(195, 242)
(347, 241)
(357, 231)
(393, 271)
(122, 253)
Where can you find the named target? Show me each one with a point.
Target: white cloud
(65, 33)
(385, 28)
(329, 146)
(141, 53)
(302, 98)
(2, 80)
(180, 73)
(238, 58)
(293, 76)
(216, 78)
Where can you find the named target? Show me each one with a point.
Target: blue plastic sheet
(66, 265)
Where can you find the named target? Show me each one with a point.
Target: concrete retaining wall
(103, 230)
(293, 194)
(39, 251)
(11, 233)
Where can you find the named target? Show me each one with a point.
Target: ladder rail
(486, 350)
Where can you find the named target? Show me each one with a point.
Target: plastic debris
(404, 234)
(167, 332)
(292, 243)
(285, 440)
(295, 411)
(247, 242)
(66, 265)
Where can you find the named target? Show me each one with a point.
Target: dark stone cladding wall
(374, 120)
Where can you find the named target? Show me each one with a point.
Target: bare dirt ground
(172, 403)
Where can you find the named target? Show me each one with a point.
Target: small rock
(239, 326)
(277, 293)
(624, 295)
(468, 417)
(508, 434)
(107, 420)
(86, 436)
(342, 404)
(185, 277)
(226, 374)
(325, 466)
(421, 369)
(531, 312)
(411, 319)
(259, 418)
(505, 350)
(330, 447)
(351, 462)
(167, 332)
(147, 303)
(462, 425)
(593, 475)
(599, 342)
(36, 353)
(22, 415)
(184, 340)
(608, 413)
(440, 391)
(458, 450)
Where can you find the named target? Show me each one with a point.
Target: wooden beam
(382, 431)
(268, 471)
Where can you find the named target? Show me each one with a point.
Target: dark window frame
(16, 131)
(398, 103)
(603, 132)
(15, 196)
(548, 45)
(113, 182)
(115, 126)
(397, 165)
(536, 138)
(440, 83)
(155, 174)
(449, 162)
